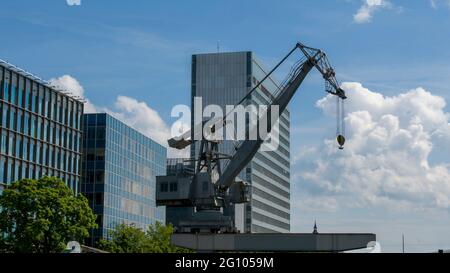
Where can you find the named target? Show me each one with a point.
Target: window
(44, 155)
(16, 170)
(40, 100)
(33, 101)
(19, 121)
(5, 114)
(11, 145)
(45, 130)
(24, 170)
(38, 125)
(50, 133)
(31, 169)
(31, 154)
(57, 109)
(57, 158)
(164, 187)
(69, 139)
(26, 124)
(50, 156)
(90, 157)
(2, 169)
(13, 95)
(33, 127)
(27, 99)
(173, 187)
(3, 143)
(69, 113)
(62, 110)
(63, 160)
(9, 172)
(47, 104)
(205, 186)
(63, 137)
(100, 132)
(18, 146)
(6, 91)
(12, 119)
(57, 135)
(98, 198)
(38, 153)
(99, 177)
(25, 148)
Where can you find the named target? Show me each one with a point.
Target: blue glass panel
(6, 92)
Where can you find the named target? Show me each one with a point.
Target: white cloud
(365, 12)
(70, 84)
(433, 4)
(436, 3)
(146, 120)
(73, 2)
(386, 162)
(132, 112)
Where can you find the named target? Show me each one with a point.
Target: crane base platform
(273, 242)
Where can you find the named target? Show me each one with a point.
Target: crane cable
(340, 122)
(340, 118)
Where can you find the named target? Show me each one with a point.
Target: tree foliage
(42, 216)
(130, 239)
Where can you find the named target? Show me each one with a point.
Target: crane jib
(249, 148)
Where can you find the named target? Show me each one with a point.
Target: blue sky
(142, 49)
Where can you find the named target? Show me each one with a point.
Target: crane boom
(247, 150)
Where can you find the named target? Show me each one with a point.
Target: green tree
(41, 216)
(130, 239)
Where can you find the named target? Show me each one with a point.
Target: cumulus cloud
(386, 162)
(70, 84)
(146, 120)
(73, 2)
(436, 3)
(365, 12)
(132, 112)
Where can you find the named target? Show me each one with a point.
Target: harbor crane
(210, 189)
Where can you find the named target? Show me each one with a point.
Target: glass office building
(224, 79)
(40, 129)
(119, 170)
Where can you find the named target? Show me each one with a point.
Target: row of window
(256, 179)
(121, 143)
(148, 177)
(271, 198)
(34, 151)
(123, 186)
(37, 127)
(129, 210)
(271, 221)
(45, 102)
(121, 134)
(268, 208)
(12, 170)
(110, 223)
(169, 187)
(269, 162)
(285, 182)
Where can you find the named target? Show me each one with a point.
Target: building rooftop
(39, 80)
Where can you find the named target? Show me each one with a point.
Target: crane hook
(341, 141)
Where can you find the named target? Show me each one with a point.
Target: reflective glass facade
(40, 130)
(224, 79)
(119, 170)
